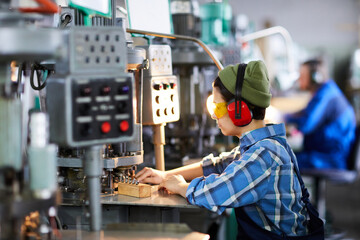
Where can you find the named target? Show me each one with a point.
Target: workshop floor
(343, 205)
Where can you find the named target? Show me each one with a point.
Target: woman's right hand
(149, 175)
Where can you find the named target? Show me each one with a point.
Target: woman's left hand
(175, 184)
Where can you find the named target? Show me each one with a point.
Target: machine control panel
(161, 98)
(95, 49)
(90, 98)
(101, 108)
(162, 101)
(94, 111)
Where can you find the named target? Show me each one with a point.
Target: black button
(84, 109)
(85, 129)
(122, 107)
(157, 86)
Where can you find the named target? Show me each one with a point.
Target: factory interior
(94, 91)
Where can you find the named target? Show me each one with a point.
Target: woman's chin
(224, 132)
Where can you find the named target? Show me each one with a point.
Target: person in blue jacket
(327, 123)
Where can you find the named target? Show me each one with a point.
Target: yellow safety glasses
(217, 109)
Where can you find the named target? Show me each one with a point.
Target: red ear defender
(246, 114)
(238, 110)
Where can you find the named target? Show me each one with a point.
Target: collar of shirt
(252, 137)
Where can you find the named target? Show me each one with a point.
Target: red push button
(86, 91)
(105, 127)
(124, 126)
(106, 90)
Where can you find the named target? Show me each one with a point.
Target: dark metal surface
(137, 231)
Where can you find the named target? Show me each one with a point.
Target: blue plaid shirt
(257, 175)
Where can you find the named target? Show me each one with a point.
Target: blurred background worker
(328, 121)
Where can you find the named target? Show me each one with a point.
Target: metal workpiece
(93, 172)
(125, 174)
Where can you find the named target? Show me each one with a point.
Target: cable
(40, 75)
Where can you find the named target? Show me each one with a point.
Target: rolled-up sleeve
(212, 164)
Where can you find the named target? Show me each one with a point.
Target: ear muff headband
(238, 110)
(238, 88)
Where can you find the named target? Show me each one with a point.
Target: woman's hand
(175, 184)
(149, 175)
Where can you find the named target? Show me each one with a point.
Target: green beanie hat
(256, 86)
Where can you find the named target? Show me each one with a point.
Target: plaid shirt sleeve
(211, 164)
(242, 182)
